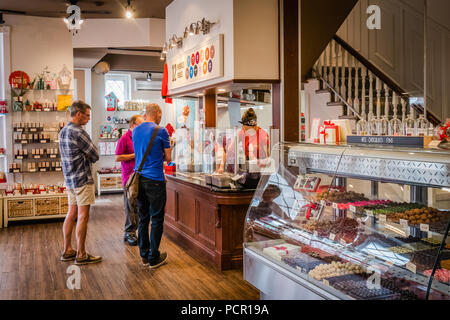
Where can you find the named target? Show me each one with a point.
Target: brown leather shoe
(69, 256)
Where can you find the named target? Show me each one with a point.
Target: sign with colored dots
(201, 63)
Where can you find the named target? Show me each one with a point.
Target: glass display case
(351, 222)
(219, 157)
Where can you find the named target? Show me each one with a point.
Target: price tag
(19, 157)
(326, 282)
(42, 170)
(424, 227)
(315, 234)
(323, 203)
(404, 222)
(335, 205)
(332, 236)
(58, 169)
(43, 141)
(33, 130)
(352, 209)
(29, 193)
(20, 130)
(390, 263)
(411, 267)
(299, 269)
(382, 218)
(51, 192)
(9, 194)
(342, 241)
(369, 213)
(16, 170)
(24, 141)
(53, 156)
(37, 157)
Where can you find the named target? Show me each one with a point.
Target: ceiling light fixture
(149, 76)
(192, 30)
(129, 10)
(186, 33)
(164, 49)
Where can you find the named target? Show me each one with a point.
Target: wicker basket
(47, 206)
(20, 208)
(64, 205)
(108, 183)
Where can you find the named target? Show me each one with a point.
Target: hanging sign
(19, 79)
(204, 62)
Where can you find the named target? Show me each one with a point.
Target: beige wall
(79, 76)
(256, 40)
(37, 42)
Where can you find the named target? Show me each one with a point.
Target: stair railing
(345, 71)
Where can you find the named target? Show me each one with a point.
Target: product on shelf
(3, 107)
(301, 261)
(341, 197)
(343, 229)
(106, 170)
(280, 250)
(358, 289)
(2, 151)
(2, 177)
(423, 215)
(445, 264)
(335, 269)
(424, 259)
(30, 189)
(443, 275)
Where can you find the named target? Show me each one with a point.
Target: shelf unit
(45, 117)
(34, 207)
(109, 182)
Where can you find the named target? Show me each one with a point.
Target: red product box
(170, 169)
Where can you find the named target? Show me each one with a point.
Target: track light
(149, 76)
(191, 29)
(129, 10)
(163, 56)
(186, 33)
(164, 49)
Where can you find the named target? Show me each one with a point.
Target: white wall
(181, 13)
(104, 33)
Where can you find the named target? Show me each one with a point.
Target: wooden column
(291, 71)
(210, 110)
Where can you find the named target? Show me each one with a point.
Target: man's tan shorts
(82, 196)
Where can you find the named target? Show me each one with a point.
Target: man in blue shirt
(152, 185)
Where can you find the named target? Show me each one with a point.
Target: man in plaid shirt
(77, 155)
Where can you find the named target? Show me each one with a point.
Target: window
(119, 84)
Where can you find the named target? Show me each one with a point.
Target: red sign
(19, 79)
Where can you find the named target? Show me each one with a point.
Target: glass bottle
(395, 126)
(361, 126)
(409, 126)
(382, 126)
(421, 126)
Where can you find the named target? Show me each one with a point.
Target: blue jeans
(151, 204)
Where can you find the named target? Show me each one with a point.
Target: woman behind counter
(254, 140)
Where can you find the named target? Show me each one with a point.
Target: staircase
(347, 86)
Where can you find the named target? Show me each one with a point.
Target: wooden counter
(206, 223)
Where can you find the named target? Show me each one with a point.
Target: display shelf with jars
(351, 222)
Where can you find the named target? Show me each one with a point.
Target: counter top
(199, 180)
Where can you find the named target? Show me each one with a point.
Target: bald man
(152, 186)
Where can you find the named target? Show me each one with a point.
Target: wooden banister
(385, 79)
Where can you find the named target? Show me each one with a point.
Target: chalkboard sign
(412, 142)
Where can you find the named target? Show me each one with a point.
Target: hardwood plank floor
(30, 266)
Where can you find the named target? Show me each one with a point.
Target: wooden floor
(30, 266)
